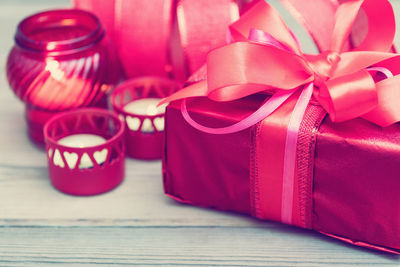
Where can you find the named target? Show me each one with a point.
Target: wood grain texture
(135, 224)
(199, 246)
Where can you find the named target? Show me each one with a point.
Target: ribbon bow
(271, 58)
(266, 56)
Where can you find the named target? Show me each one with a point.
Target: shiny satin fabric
(203, 26)
(270, 146)
(177, 45)
(343, 84)
(169, 38)
(105, 10)
(356, 168)
(143, 30)
(310, 14)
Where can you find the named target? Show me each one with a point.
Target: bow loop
(265, 18)
(253, 68)
(266, 55)
(380, 20)
(348, 97)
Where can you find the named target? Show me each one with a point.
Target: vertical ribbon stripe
(289, 161)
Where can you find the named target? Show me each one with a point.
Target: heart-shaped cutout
(100, 156)
(85, 162)
(71, 159)
(159, 123)
(147, 126)
(57, 160)
(133, 123)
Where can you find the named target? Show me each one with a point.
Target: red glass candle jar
(85, 151)
(135, 101)
(60, 61)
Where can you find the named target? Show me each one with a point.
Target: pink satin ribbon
(289, 162)
(264, 111)
(340, 80)
(202, 26)
(163, 37)
(142, 39)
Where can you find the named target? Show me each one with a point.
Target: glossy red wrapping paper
(356, 168)
(347, 172)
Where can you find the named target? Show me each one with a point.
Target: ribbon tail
(351, 62)
(289, 163)
(264, 111)
(194, 90)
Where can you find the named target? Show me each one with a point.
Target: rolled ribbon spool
(171, 38)
(203, 26)
(143, 29)
(105, 10)
(165, 37)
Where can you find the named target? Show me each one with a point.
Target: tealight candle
(135, 102)
(146, 107)
(81, 141)
(85, 151)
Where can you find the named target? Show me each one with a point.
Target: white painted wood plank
(194, 246)
(27, 197)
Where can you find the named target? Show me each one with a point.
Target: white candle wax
(146, 107)
(81, 141)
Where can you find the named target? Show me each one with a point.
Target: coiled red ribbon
(163, 37)
(271, 59)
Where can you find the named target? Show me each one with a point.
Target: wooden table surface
(135, 224)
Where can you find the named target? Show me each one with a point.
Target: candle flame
(53, 67)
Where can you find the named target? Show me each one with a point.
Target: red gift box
(356, 170)
(346, 167)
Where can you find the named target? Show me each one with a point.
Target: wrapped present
(306, 140)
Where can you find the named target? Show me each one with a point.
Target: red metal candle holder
(104, 163)
(60, 61)
(141, 144)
